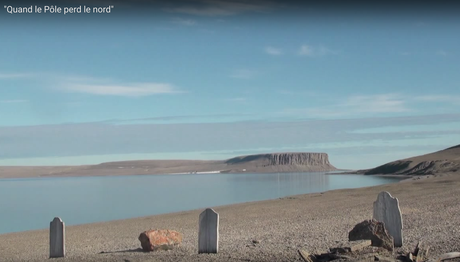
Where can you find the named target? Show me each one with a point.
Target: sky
(217, 79)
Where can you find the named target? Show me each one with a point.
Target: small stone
(410, 257)
(307, 257)
(153, 240)
(374, 231)
(255, 241)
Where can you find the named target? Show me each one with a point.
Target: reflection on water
(281, 184)
(27, 204)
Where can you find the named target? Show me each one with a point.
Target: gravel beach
(313, 222)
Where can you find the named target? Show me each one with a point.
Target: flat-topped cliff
(282, 162)
(274, 159)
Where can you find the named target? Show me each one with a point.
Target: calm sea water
(31, 203)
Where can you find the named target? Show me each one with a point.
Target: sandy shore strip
(430, 208)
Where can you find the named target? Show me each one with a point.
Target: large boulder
(372, 230)
(153, 240)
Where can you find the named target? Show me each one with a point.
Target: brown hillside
(444, 161)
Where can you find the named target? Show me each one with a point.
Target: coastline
(261, 163)
(6, 175)
(217, 172)
(134, 172)
(311, 222)
(404, 178)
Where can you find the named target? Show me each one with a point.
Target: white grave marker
(208, 232)
(386, 210)
(57, 238)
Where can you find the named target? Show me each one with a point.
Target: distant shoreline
(334, 172)
(262, 163)
(3, 176)
(18, 172)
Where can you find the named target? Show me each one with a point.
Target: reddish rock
(372, 230)
(153, 240)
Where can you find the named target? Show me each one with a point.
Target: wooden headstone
(386, 210)
(208, 232)
(57, 238)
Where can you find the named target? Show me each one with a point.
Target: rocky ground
(272, 230)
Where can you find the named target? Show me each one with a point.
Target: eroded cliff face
(283, 162)
(309, 159)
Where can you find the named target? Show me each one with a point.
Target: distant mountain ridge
(443, 161)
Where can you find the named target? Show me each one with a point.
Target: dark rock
(374, 231)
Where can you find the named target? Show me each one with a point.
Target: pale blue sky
(220, 79)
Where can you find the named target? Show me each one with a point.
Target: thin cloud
(208, 31)
(14, 75)
(385, 103)
(273, 51)
(243, 74)
(138, 89)
(439, 98)
(312, 112)
(441, 53)
(176, 118)
(221, 8)
(185, 22)
(238, 99)
(296, 93)
(13, 101)
(308, 50)
(100, 86)
(357, 105)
